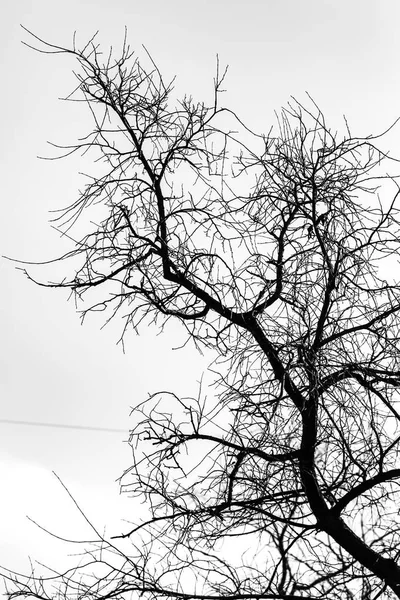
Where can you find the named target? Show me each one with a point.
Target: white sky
(345, 53)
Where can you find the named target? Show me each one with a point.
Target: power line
(63, 426)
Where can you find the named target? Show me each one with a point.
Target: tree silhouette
(277, 252)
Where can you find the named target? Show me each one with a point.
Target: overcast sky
(345, 53)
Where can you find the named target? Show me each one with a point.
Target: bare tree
(277, 252)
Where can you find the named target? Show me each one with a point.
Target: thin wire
(62, 426)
